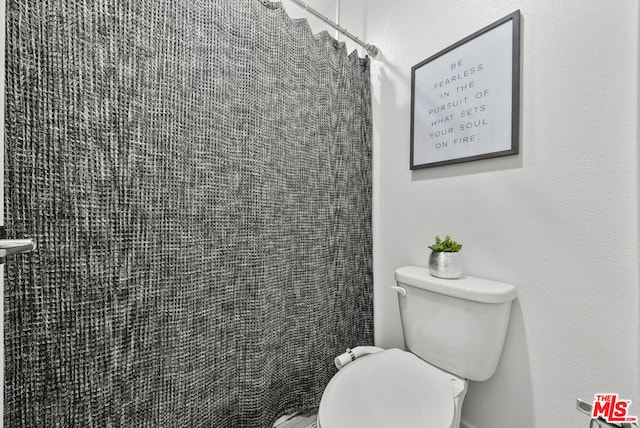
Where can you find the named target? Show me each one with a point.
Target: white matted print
(464, 101)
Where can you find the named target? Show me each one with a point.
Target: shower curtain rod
(372, 50)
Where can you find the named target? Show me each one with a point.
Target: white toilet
(454, 330)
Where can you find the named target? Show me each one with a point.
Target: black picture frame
(465, 99)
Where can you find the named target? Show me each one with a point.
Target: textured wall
(560, 221)
(198, 178)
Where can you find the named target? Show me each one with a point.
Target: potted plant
(445, 260)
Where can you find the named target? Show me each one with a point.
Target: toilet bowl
(392, 388)
(454, 330)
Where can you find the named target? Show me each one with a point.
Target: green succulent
(447, 246)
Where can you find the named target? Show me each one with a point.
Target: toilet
(454, 331)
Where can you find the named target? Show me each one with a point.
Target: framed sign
(465, 98)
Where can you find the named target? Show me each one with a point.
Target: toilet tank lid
(465, 287)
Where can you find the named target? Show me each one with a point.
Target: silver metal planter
(445, 265)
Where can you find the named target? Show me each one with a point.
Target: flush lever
(400, 290)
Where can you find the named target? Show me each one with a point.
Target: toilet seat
(392, 388)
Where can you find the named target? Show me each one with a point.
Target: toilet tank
(458, 325)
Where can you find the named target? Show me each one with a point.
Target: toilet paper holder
(601, 423)
(587, 408)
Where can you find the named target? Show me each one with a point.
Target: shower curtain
(198, 177)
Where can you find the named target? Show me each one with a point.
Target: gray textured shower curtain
(198, 177)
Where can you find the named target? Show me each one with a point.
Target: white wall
(560, 220)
